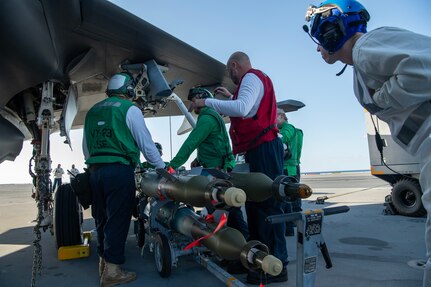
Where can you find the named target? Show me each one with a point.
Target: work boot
(113, 275)
(101, 266)
(47, 219)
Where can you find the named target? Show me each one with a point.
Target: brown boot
(101, 266)
(114, 275)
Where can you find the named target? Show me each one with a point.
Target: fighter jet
(56, 58)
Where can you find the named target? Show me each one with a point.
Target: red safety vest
(249, 133)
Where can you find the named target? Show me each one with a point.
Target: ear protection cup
(130, 88)
(332, 34)
(126, 88)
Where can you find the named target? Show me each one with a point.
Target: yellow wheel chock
(76, 251)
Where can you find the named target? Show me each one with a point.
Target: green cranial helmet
(121, 84)
(201, 93)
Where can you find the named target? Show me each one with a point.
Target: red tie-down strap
(197, 242)
(209, 218)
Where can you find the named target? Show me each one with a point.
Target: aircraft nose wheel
(162, 255)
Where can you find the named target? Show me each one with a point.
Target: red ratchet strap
(209, 218)
(171, 170)
(197, 242)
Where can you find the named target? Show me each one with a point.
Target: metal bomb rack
(309, 241)
(169, 226)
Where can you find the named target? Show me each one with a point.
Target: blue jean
(114, 190)
(267, 158)
(57, 183)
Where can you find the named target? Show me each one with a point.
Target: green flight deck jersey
(210, 139)
(108, 137)
(293, 137)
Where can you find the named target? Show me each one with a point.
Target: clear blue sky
(270, 32)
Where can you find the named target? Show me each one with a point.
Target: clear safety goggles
(316, 14)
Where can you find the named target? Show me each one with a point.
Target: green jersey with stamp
(108, 137)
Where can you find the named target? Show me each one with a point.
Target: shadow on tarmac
(367, 249)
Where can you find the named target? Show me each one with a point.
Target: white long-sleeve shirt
(136, 124)
(396, 64)
(250, 95)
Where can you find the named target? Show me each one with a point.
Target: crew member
(210, 139)
(392, 80)
(252, 110)
(73, 172)
(292, 139)
(114, 134)
(146, 164)
(58, 176)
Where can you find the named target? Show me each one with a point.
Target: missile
(228, 243)
(198, 191)
(259, 187)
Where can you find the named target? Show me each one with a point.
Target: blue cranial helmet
(121, 84)
(334, 22)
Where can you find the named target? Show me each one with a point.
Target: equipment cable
(380, 145)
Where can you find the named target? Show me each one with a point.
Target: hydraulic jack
(309, 241)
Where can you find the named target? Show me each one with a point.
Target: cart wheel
(406, 198)
(162, 255)
(140, 236)
(67, 217)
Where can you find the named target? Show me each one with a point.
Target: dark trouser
(267, 158)
(236, 220)
(113, 199)
(293, 206)
(57, 183)
(297, 204)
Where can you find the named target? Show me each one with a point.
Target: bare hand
(223, 91)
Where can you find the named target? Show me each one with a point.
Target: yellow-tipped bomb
(259, 187)
(198, 191)
(228, 243)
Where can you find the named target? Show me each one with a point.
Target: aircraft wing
(79, 44)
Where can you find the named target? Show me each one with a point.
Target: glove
(170, 170)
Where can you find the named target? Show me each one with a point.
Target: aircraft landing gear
(41, 173)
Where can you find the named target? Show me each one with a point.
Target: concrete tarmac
(367, 248)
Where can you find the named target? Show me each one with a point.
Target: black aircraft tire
(406, 198)
(162, 256)
(67, 217)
